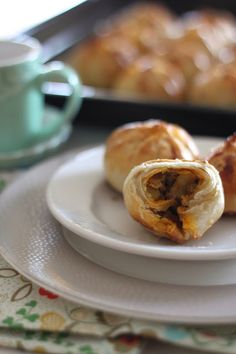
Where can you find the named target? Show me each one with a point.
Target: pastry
(189, 57)
(101, 59)
(224, 160)
(227, 54)
(176, 199)
(146, 51)
(152, 77)
(143, 25)
(215, 87)
(148, 15)
(134, 143)
(216, 28)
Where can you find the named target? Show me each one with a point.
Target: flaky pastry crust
(176, 199)
(134, 143)
(215, 87)
(101, 59)
(188, 57)
(153, 77)
(144, 24)
(224, 160)
(216, 28)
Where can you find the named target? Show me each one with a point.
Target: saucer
(25, 157)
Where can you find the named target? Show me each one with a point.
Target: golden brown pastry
(152, 77)
(215, 28)
(192, 38)
(100, 60)
(148, 15)
(227, 54)
(215, 87)
(143, 25)
(176, 199)
(212, 18)
(147, 52)
(224, 160)
(189, 57)
(134, 143)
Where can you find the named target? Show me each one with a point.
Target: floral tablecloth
(32, 318)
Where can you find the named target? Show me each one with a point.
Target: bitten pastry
(134, 143)
(175, 199)
(224, 160)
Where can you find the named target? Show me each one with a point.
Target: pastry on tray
(134, 143)
(143, 25)
(176, 199)
(216, 27)
(215, 87)
(189, 57)
(152, 77)
(100, 60)
(224, 160)
(146, 51)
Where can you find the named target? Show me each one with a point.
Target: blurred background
(19, 16)
(139, 59)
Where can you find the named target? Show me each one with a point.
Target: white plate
(197, 273)
(32, 242)
(82, 201)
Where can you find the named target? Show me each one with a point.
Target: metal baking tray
(59, 34)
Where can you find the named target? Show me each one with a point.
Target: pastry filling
(170, 193)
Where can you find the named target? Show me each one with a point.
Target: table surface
(150, 348)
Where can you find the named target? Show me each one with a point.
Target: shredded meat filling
(170, 190)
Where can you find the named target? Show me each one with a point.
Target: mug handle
(54, 72)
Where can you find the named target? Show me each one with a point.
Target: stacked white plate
(114, 264)
(96, 223)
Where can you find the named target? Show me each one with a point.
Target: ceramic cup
(22, 105)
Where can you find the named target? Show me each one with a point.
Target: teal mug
(22, 101)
